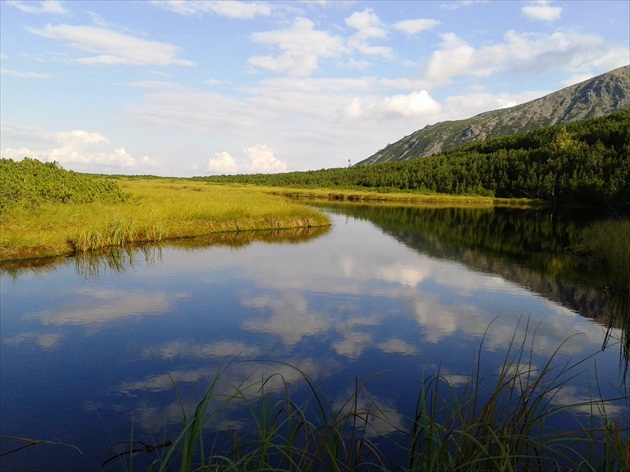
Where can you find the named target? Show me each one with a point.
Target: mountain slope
(599, 96)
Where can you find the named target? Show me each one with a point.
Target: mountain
(599, 96)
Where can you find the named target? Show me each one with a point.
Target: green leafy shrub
(30, 182)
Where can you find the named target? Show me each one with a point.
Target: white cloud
(301, 48)
(52, 7)
(225, 8)
(368, 26)
(467, 105)
(522, 53)
(261, 160)
(456, 4)
(415, 26)
(416, 103)
(367, 23)
(112, 48)
(453, 58)
(222, 163)
(25, 75)
(542, 11)
(413, 104)
(77, 147)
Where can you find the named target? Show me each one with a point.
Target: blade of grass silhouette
(34, 442)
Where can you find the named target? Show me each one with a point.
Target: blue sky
(182, 88)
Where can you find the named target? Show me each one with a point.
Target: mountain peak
(598, 96)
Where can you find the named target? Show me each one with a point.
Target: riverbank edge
(182, 230)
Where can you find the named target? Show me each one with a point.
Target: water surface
(97, 350)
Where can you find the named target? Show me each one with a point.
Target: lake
(96, 350)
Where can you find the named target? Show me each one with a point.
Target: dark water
(99, 350)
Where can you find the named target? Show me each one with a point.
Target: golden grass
(416, 198)
(160, 209)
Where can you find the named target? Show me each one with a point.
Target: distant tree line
(585, 162)
(31, 182)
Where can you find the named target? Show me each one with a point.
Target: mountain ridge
(598, 96)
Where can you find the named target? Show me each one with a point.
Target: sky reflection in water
(83, 357)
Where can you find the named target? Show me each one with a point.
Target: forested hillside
(585, 162)
(31, 182)
(599, 96)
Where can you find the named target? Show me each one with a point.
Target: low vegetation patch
(29, 183)
(129, 211)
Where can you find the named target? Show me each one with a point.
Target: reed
(500, 420)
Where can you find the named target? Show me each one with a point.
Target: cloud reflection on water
(45, 341)
(95, 307)
(215, 350)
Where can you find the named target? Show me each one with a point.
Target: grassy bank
(156, 210)
(394, 196)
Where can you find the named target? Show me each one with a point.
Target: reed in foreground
(506, 419)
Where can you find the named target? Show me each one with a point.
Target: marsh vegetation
(46, 220)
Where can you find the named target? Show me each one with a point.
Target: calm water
(94, 351)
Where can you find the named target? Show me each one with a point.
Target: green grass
(157, 210)
(498, 421)
(428, 199)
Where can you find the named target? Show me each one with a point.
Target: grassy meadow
(156, 210)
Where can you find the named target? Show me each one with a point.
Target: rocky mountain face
(599, 96)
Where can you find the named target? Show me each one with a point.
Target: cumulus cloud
(521, 53)
(541, 11)
(222, 163)
(301, 48)
(413, 104)
(368, 26)
(416, 103)
(112, 48)
(50, 7)
(415, 26)
(73, 148)
(261, 160)
(225, 8)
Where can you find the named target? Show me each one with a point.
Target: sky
(192, 88)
